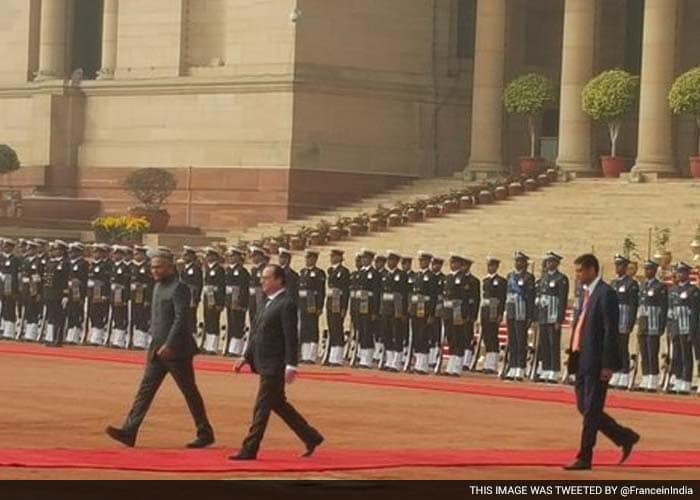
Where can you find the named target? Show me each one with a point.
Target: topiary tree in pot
(530, 95)
(9, 162)
(609, 98)
(151, 187)
(684, 99)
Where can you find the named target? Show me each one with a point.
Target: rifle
(42, 330)
(110, 319)
(86, 321)
(535, 352)
(18, 336)
(667, 366)
(476, 345)
(441, 349)
(408, 348)
(128, 341)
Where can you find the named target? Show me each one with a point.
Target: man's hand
(166, 353)
(290, 374)
(239, 366)
(606, 374)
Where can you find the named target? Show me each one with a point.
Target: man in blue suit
(594, 357)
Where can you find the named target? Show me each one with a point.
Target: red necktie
(578, 331)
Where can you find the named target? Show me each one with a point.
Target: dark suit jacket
(274, 341)
(600, 336)
(170, 319)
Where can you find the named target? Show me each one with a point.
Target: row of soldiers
(400, 318)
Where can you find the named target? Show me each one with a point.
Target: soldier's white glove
(64, 302)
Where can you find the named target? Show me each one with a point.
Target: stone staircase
(572, 218)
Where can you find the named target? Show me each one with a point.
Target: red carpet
(214, 460)
(479, 387)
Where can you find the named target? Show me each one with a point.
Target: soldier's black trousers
(376, 328)
(98, 314)
(33, 310)
(335, 329)
(434, 330)
(469, 336)
(56, 316)
(140, 316)
(550, 347)
(624, 349)
(9, 308)
(489, 331)
(695, 339)
(308, 327)
(517, 341)
(649, 348)
(212, 320)
(75, 314)
(421, 335)
(456, 336)
(394, 332)
(683, 357)
(120, 317)
(236, 323)
(365, 334)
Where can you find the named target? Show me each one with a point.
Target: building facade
(270, 108)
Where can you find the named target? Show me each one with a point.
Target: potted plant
(684, 98)
(120, 229)
(662, 255)
(9, 162)
(695, 245)
(608, 98)
(530, 95)
(151, 187)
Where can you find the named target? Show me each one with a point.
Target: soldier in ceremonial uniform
(141, 296)
(191, 275)
(423, 297)
(291, 276)
(42, 250)
(354, 309)
(473, 287)
(214, 298)
(99, 280)
(10, 267)
(376, 324)
(237, 299)
(520, 309)
(257, 255)
(551, 298)
(312, 296)
(393, 310)
(369, 286)
(652, 316)
(455, 313)
(684, 309)
(493, 304)
(32, 277)
(406, 265)
(56, 293)
(337, 306)
(77, 292)
(627, 290)
(435, 329)
(120, 288)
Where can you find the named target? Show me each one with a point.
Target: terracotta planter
(432, 211)
(452, 205)
(543, 180)
(404, 219)
(515, 189)
(485, 197)
(157, 219)
(394, 220)
(530, 185)
(500, 193)
(414, 215)
(466, 202)
(613, 166)
(296, 243)
(316, 239)
(695, 167)
(374, 225)
(335, 233)
(552, 175)
(531, 166)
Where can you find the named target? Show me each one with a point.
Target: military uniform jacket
(214, 290)
(10, 267)
(56, 279)
(653, 307)
(551, 298)
(99, 280)
(395, 291)
(627, 290)
(424, 294)
(141, 283)
(338, 289)
(121, 283)
(441, 277)
(493, 304)
(684, 307)
(291, 279)
(255, 288)
(369, 289)
(312, 290)
(77, 279)
(31, 276)
(237, 287)
(461, 297)
(520, 296)
(354, 279)
(192, 277)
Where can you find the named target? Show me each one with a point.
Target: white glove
(64, 302)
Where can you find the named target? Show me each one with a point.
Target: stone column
(486, 156)
(575, 150)
(53, 37)
(655, 150)
(109, 39)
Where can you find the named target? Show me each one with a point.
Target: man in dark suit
(171, 351)
(594, 357)
(272, 353)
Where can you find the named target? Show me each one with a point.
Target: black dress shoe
(121, 435)
(201, 442)
(311, 447)
(242, 456)
(578, 465)
(627, 447)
